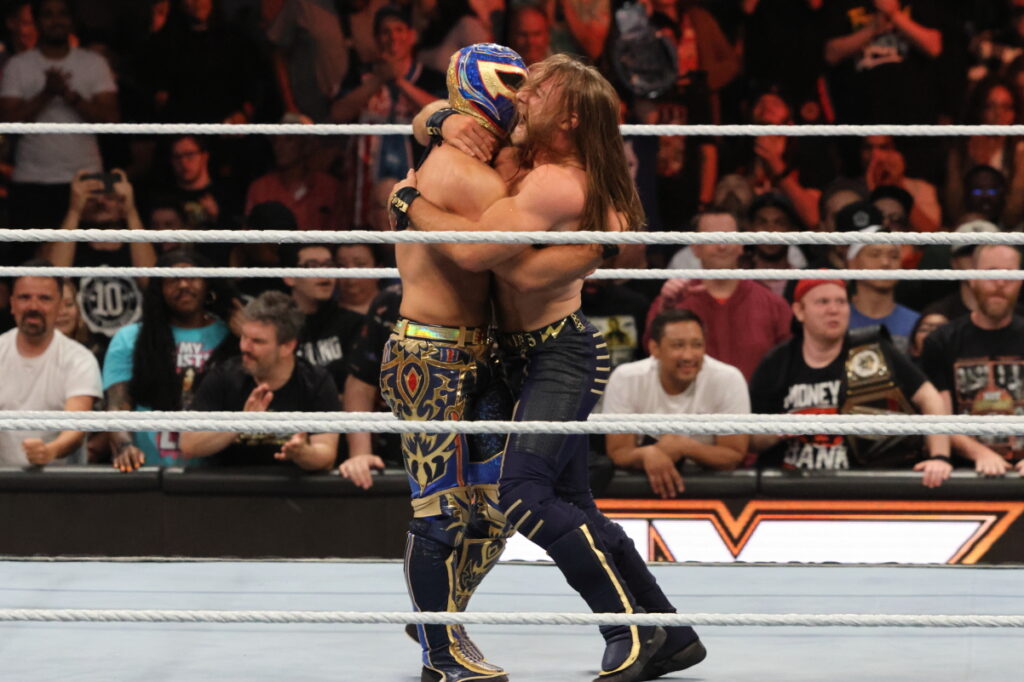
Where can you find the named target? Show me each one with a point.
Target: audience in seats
(679, 377)
(43, 370)
(160, 362)
(823, 370)
(728, 306)
(267, 376)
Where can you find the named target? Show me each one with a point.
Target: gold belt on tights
(462, 336)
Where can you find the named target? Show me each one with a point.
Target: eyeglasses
(318, 264)
(986, 192)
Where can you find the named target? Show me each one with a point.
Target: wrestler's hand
(259, 400)
(359, 469)
(991, 463)
(467, 135)
(38, 452)
(665, 479)
(935, 472)
(127, 457)
(293, 449)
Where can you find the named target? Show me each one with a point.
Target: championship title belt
(871, 388)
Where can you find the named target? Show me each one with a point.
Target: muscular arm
(66, 442)
(843, 47)
(928, 40)
(986, 460)
(317, 454)
(547, 199)
(204, 443)
(419, 122)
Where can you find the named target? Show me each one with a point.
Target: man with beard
(437, 366)
(816, 372)
(159, 362)
(977, 362)
(266, 377)
(874, 302)
(567, 171)
(43, 370)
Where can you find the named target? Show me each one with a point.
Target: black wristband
(936, 458)
(400, 203)
(435, 120)
(609, 251)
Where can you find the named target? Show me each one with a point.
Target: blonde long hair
(585, 93)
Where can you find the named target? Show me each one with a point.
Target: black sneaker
(681, 659)
(616, 654)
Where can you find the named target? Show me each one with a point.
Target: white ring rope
(521, 618)
(347, 422)
(617, 273)
(406, 129)
(257, 236)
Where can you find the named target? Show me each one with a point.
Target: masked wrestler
(437, 366)
(567, 171)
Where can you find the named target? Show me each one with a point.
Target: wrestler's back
(435, 289)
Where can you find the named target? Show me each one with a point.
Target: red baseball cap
(804, 286)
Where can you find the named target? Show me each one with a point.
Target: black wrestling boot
(682, 649)
(589, 571)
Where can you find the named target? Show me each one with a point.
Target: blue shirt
(900, 323)
(194, 347)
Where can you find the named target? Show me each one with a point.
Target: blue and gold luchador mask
(482, 82)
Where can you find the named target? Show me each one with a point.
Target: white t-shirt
(45, 382)
(634, 388)
(54, 159)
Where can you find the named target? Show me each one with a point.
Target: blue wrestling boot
(588, 569)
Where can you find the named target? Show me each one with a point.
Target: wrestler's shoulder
(567, 183)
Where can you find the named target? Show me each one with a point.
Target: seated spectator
(808, 375)
(678, 378)
(874, 300)
(977, 362)
(311, 55)
(43, 370)
(313, 197)
(392, 90)
(962, 301)
(368, 452)
(985, 194)
(111, 302)
(356, 293)
(451, 26)
(926, 324)
(529, 32)
(329, 331)
(884, 164)
(992, 102)
(53, 83)
(797, 168)
(158, 364)
(206, 204)
(727, 305)
(835, 197)
(71, 324)
(267, 376)
(772, 212)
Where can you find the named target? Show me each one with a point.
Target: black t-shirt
(784, 384)
(890, 80)
(983, 370)
(227, 387)
(194, 205)
(326, 339)
(107, 303)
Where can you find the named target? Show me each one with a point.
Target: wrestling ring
(314, 620)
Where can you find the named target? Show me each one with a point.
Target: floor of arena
(93, 651)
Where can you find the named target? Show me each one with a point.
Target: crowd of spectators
(679, 346)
